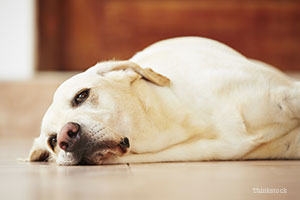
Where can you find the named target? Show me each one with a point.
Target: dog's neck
(157, 101)
(165, 118)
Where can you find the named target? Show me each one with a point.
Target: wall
(17, 39)
(75, 34)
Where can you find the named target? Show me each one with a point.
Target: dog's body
(218, 106)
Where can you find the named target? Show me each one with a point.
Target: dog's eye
(81, 97)
(52, 141)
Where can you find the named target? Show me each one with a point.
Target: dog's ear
(146, 73)
(38, 152)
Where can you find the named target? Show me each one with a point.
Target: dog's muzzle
(80, 147)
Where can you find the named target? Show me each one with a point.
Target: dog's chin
(68, 158)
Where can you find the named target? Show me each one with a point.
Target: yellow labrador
(182, 99)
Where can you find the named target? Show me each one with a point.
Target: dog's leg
(285, 147)
(292, 99)
(198, 150)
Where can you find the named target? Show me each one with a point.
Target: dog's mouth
(107, 150)
(95, 154)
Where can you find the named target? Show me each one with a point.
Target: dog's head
(92, 115)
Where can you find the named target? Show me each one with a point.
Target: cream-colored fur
(203, 101)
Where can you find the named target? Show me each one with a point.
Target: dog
(180, 99)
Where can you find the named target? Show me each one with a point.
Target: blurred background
(66, 35)
(73, 35)
(43, 42)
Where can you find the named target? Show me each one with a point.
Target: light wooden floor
(195, 180)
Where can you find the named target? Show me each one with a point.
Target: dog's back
(204, 70)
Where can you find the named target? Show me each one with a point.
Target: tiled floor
(196, 180)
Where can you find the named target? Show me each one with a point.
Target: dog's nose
(69, 136)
